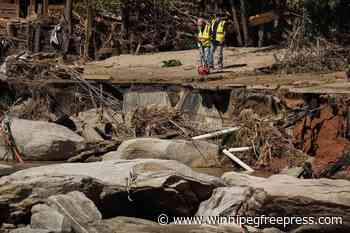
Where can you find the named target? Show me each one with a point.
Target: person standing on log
(218, 43)
(204, 44)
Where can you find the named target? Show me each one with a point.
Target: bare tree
(244, 23)
(68, 25)
(236, 24)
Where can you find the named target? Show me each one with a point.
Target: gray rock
(29, 230)
(134, 225)
(334, 228)
(233, 201)
(77, 209)
(272, 230)
(48, 218)
(155, 186)
(289, 196)
(325, 190)
(43, 141)
(192, 153)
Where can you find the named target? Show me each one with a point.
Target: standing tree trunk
(125, 17)
(67, 25)
(37, 36)
(244, 23)
(88, 29)
(236, 24)
(45, 7)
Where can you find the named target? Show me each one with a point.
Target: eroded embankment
(316, 124)
(278, 124)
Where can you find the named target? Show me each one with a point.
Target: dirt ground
(243, 67)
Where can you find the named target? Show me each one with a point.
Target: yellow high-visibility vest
(220, 31)
(204, 36)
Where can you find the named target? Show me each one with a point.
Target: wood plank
(8, 10)
(262, 18)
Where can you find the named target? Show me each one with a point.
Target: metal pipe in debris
(217, 133)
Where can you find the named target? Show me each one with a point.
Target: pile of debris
(319, 56)
(273, 149)
(162, 122)
(39, 66)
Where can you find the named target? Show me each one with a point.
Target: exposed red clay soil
(323, 137)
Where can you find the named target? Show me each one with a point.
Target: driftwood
(236, 24)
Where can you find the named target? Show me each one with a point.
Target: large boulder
(45, 217)
(323, 190)
(29, 230)
(43, 141)
(134, 225)
(289, 196)
(192, 153)
(77, 208)
(65, 213)
(140, 188)
(233, 201)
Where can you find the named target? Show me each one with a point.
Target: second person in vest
(218, 42)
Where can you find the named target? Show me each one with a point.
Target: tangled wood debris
(39, 66)
(269, 143)
(321, 55)
(163, 122)
(151, 26)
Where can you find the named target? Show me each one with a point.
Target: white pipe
(237, 160)
(239, 149)
(217, 133)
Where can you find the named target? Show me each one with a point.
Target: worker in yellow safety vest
(204, 42)
(218, 43)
